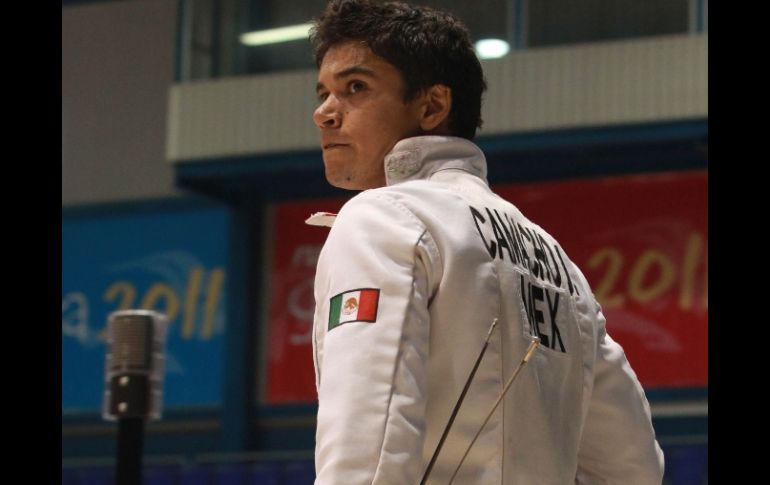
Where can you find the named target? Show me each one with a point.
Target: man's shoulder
(382, 204)
(406, 187)
(404, 194)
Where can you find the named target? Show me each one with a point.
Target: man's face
(362, 115)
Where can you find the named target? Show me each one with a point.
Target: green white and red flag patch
(354, 306)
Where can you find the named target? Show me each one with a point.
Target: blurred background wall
(117, 66)
(189, 162)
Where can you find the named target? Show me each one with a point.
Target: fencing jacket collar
(422, 156)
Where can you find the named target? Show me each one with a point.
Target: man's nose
(328, 114)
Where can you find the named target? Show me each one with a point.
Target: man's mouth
(334, 145)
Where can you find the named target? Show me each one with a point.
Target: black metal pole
(128, 470)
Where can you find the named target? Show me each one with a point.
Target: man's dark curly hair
(427, 46)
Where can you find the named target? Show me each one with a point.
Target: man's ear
(437, 103)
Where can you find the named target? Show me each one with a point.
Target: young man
(417, 266)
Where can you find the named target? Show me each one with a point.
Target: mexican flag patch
(354, 306)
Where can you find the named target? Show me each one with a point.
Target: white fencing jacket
(408, 282)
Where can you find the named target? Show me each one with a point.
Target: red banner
(642, 242)
(295, 248)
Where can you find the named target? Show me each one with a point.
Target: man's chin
(340, 180)
(339, 185)
(341, 173)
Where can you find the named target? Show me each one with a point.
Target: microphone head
(134, 364)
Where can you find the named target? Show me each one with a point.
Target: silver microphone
(134, 364)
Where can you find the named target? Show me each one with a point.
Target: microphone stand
(134, 378)
(128, 470)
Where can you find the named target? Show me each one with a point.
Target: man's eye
(322, 97)
(355, 87)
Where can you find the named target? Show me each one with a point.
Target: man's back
(447, 256)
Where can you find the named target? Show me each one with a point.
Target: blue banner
(171, 261)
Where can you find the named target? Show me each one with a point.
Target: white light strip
(491, 48)
(275, 36)
(684, 408)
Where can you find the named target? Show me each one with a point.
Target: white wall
(117, 66)
(645, 80)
